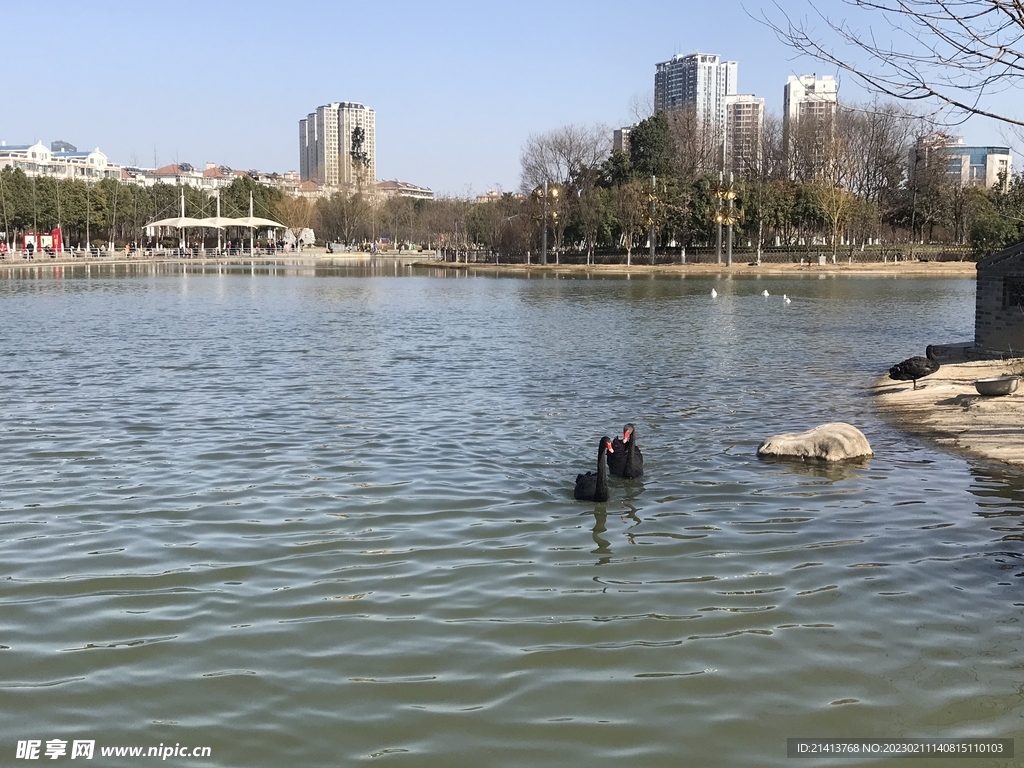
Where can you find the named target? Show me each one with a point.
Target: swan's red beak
(625, 435)
(609, 448)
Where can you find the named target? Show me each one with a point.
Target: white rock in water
(829, 442)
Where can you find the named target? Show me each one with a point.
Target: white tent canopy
(256, 221)
(216, 222)
(179, 222)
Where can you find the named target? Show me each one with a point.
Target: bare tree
(589, 208)
(562, 155)
(953, 54)
(698, 148)
(397, 217)
(343, 215)
(296, 213)
(641, 105)
(832, 178)
(877, 141)
(631, 213)
(566, 160)
(760, 171)
(448, 220)
(807, 144)
(929, 183)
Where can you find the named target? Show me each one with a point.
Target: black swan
(593, 486)
(912, 369)
(627, 461)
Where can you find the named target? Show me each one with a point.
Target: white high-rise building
(811, 102)
(808, 96)
(744, 130)
(698, 79)
(337, 146)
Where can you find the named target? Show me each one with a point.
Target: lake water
(326, 518)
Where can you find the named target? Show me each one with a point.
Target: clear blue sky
(457, 87)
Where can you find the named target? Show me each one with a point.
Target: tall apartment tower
(337, 146)
(698, 79)
(808, 96)
(809, 101)
(744, 131)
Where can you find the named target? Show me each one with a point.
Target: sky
(458, 88)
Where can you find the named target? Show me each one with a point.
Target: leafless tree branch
(954, 54)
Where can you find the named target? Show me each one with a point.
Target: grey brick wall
(999, 305)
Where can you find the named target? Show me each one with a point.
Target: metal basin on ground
(997, 385)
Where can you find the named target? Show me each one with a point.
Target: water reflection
(829, 470)
(261, 266)
(1000, 492)
(996, 484)
(604, 547)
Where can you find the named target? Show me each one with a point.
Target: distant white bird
(786, 299)
(765, 293)
(714, 293)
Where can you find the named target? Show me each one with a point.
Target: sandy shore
(948, 409)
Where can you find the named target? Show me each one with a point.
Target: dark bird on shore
(627, 461)
(912, 369)
(593, 486)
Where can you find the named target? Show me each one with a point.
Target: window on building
(1013, 292)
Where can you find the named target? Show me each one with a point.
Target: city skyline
(457, 92)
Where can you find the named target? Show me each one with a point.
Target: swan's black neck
(602, 467)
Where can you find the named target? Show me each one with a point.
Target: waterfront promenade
(427, 259)
(944, 269)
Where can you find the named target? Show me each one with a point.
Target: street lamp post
(730, 196)
(727, 217)
(718, 219)
(544, 228)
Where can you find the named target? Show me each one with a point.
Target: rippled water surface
(327, 519)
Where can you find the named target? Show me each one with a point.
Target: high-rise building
(744, 130)
(808, 96)
(620, 139)
(699, 80)
(337, 146)
(809, 105)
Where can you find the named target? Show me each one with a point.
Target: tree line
(869, 176)
(865, 177)
(110, 212)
